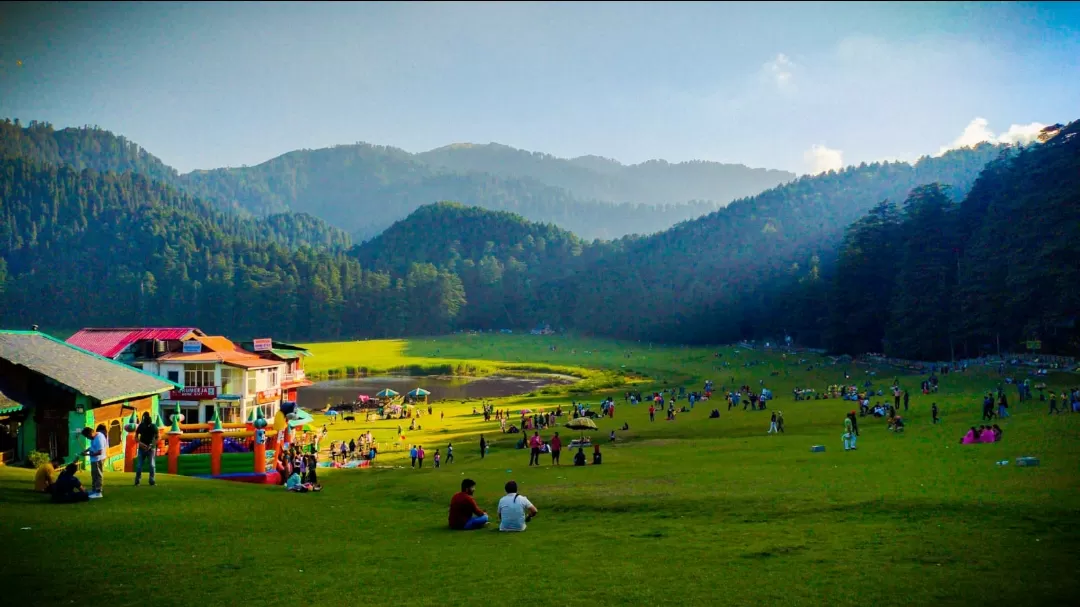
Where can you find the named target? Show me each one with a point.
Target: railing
(297, 375)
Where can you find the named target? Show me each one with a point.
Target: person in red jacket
(556, 447)
(465, 515)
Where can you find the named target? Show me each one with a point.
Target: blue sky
(800, 86)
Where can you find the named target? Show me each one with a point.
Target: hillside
(592, 177)
(364, 188)
(501, 258)
(709, 279)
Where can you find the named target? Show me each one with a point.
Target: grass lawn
(696, 511)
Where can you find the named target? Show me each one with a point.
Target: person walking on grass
(437, 460)
(1053, 403)
(147, 436)
(98, 451)
(849, 434)
(483, 447)
(652, 412)
(419, 456)
(907, 397)
(934, 412)
(556, 447)
(412, 456)
(780, 421)
(772, 424)
(534, 451)
(449, 453)
(1003, 407)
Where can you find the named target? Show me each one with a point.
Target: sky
(798, 86)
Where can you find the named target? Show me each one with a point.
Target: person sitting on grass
(68, 489)
(515, 510)
(465, 514)
(997, 433)
(970, 438)
(986, 435)
(898, 425)
(296, 484)
(43, 477)
(579, 457)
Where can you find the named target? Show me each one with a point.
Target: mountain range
(942, 256)
(363, 188)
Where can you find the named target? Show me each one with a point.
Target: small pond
(334, 391)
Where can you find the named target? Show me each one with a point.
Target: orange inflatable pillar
(260, 458)
(129, 453)
(217, 447)
(174, 452)
(130, 444)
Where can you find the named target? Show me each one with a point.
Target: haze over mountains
(363, 188)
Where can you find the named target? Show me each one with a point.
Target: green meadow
(697, 511)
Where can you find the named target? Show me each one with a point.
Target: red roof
(111, 342)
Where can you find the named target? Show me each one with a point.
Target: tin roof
(111, 342)
(83, 371)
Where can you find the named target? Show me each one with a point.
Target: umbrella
(525, 411)
(581, 423)
(364, 398)
(419, 392)
(386, 393)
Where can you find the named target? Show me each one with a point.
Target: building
(133, 345)
(292, 356)
(213, 371)
(50, 390)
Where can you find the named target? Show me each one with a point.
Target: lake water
(334, 391)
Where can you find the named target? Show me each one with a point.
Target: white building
(216, 372)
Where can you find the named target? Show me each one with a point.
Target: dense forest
(950, 256)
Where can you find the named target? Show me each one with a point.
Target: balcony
(297, 375)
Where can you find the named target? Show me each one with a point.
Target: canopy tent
(419, 393)
(386, 393)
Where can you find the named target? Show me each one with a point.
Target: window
(114, 433)
(251, 389)
(174, 376)
(273, 379)
(231, 381)
(199, 375)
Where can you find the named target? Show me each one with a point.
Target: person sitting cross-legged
(465, 515)
(68, 489)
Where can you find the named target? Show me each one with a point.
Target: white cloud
(779, 70)
(821, 159)
(977, 131)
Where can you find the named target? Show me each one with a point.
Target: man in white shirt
(515, 510)
(98, 451)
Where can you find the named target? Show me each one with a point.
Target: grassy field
(697, 511)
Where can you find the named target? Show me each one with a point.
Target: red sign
(267, 396)
(194, 393)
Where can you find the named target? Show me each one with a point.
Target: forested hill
(591, 177)
(365, 188)
(711, 279)
(82, 148)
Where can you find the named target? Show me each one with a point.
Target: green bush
(37, 458)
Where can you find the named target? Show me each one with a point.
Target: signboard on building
(263, 345)
(192, 346)
(194, 393)
(267, 396)
(1034, 344)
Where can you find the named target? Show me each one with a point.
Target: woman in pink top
(987, 435)
(969, 438)
(420, 455)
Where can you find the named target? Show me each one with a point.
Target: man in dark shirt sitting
(68, 489)
(465, 515)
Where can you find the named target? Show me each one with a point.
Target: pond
(334, 391)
